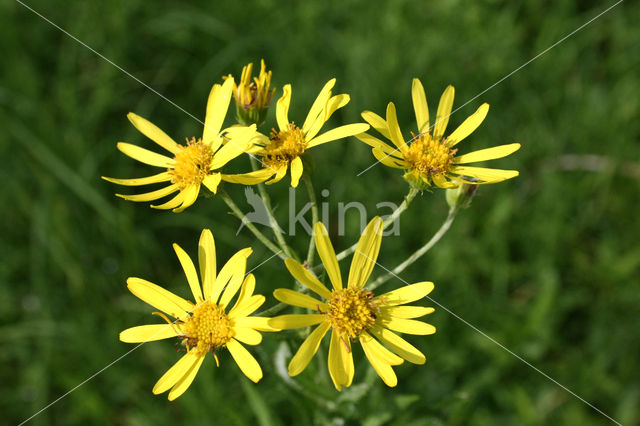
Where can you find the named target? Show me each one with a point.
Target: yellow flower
(430, 157)
(193, 164)
(354, 313)
(253, 96)
(286, 145)
(210, 323)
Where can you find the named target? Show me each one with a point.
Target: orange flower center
(429, 156)
(192, 164)
(284, 146)
(351, 311)
(208, 328)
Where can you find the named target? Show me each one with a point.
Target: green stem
(263, 239)
(314, 216)
(288, 251)
(272, 310)
(418, 253)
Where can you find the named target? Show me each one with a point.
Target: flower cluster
(222, 313)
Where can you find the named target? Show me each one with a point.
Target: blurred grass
(547, 264)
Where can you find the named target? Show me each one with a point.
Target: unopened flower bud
(253, 95)
(461, 197)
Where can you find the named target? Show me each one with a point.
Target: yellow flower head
(286, 145)
(253, 95)
(210, 322)
(430, 156)
(193, 164)
(354, 314)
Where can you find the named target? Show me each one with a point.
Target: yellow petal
(484, 174)
(468, 126)
(442, 182)
(257, 323)
(212, 181)
(232, 271)
(287, 322)
(245, 361)
(296, 171)
(184, 383)
(232, 276)
(251, 178)
(443, 113)
(327, 254)
(377, 123)
(150, 196)
(160, 177)
(247, 307)
(307, 350)
(389, 160)
(338, 133)
(366, 254)
(381, 353)
(153, 132)
(217, 106)
(384, 370)
(190, 195)
(338, 362)
(394, 128)
(171, 204)
(294, 298)
(190, 272)
(374, 142)
(305, 276)
(207, 261)
(159, 298)
(148, 333)
(247, 336)
(280, 172)
(246, 290)
(398, 345)
(318, 105)
(232, 149)
(406, 311)
(406, 294)
(488, 153)
(420, 105)
(176, 372)
(408, 326)
(332, 105)
(145, 156)
(282, 108)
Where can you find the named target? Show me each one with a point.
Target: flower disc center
(429, 156)
(351, 311)
(284, 146)
(192, 164)
(208, 328)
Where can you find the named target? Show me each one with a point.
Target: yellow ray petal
(247, 307)
(294, 298)
(150, 196)
(280, 173)
(327, 254)
(296, 171)
(420, 105)
(247, 336)
(145, 156)
(366, 254)
(171, 204)
(217, 106)
(394, 128)
(374, 142)
(246, 291)
(305, 276)
(212, 181)
(190, 195)
(444, 111)
(484, 174)
(442, 182)
(207, 261)
(468, 126)
(232, 276)
(332, 105)
(153, 132)
(406, 294)
(488, 153)
(377, 123)
(338, 133)
(257, 323)
(286, 322)
(384, 370)
(184, 383)
(398, 345)
(232, 149)
(190, 272)
(389, 160)
(282, 108)
(307, 350)
(375, 348)
(406, 311)
(160, 177)
(408, 326)
(340, 365)
(148, 333)
(247, 363)
(251, 178)
(318, 105)
(176, 372)
(159, 298)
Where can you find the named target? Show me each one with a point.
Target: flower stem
(288, 251)
(418, 253)
(238, 213)
(314, 216)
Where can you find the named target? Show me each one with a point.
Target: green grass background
(547, 264)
